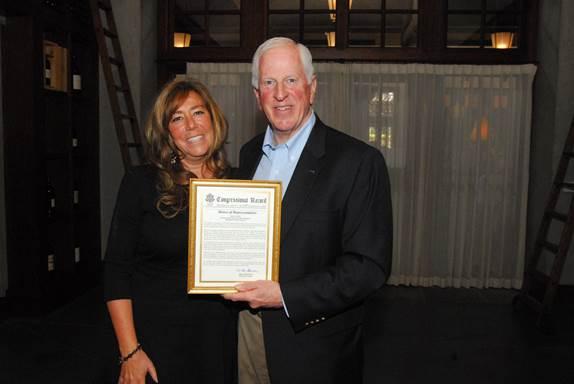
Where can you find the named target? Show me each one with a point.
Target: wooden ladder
(119, 93)
(539, 288)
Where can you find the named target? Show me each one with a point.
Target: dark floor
(414, 335)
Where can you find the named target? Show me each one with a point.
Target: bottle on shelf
(51, 200)
(47, 71)
(50, 254)
(77, 254)
(76, 75)
(76, 197)
(74, 135)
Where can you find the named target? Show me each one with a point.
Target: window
(424, 31)
(213, 23)
(484, 23)
(390, 23)
(313, 22)
(371, 23)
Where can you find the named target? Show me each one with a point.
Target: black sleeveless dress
(189, 338)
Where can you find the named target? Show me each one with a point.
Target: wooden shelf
(51, 143)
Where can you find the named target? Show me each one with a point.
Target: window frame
(431, 40)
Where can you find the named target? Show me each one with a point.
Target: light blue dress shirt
(278, 162)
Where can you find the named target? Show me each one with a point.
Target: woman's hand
(137, 365)
(135, 369)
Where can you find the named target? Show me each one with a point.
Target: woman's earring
(174, 159)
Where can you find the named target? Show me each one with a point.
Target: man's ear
(313, 90)
(256, 92)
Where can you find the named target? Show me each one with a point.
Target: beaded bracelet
(125, 358)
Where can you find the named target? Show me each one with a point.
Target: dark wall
(136, 21)
(553, 110)
(3, 267)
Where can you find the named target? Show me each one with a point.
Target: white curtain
(456, 139)
(230, 85)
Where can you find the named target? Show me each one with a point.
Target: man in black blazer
(336, 233)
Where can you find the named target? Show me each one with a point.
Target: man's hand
(258, 294)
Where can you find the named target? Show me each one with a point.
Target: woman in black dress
(162, 333)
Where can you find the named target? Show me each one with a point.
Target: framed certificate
(234, 230)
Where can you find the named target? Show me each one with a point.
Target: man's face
(284, 94)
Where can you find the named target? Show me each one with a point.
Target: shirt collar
(296, 140)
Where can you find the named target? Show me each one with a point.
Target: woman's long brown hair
(164, 154)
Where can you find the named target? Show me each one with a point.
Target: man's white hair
(304, 56)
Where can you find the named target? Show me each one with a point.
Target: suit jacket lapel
(251, 160)
(303, 178)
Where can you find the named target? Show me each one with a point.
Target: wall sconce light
(181, 39)
(482, 130)
(502, 40)
(333, 9)
(330, 39)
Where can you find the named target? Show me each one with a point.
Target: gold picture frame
(234, 233)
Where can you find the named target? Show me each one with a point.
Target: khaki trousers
(252, 364)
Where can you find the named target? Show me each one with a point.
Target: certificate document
(234, 229)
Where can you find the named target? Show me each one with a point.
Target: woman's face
(191, 129)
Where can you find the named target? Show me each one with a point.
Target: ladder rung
(102, 11)
(539, 276)
(532, 302)
(566, 185)
(558, 216)
(109, 33)
(119, 63)
(551, 247)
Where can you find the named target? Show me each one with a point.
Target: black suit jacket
(336, 244)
